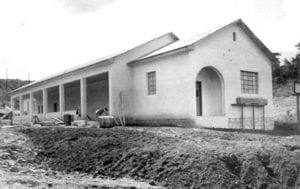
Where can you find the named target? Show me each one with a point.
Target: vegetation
(8, 85)
(287, 70)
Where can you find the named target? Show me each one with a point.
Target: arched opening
(209, 92)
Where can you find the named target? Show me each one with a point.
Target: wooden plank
(251, 101)
(264, 117)
(256, 105)
(242, 116)
(253, 116)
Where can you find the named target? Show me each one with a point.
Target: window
(151, 80)
(249, 82)
(234, 36)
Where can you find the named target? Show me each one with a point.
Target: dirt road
(19, 168)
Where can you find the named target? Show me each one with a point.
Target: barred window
(249, 82)
(151, 80)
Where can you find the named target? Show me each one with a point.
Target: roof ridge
(180, 43)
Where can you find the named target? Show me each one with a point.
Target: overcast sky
(42, 37)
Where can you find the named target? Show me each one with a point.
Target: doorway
(209, 92)
(199, 97)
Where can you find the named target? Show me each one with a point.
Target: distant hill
(8, 85)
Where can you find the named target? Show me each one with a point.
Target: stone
(14, 169)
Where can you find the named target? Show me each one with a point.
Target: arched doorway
(209, 92)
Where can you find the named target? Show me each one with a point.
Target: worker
(78, 114)
(101, 112)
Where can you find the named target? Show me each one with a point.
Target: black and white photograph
(149, 94)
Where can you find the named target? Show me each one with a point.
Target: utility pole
(6, 79)
(6, 86)
(297, 82)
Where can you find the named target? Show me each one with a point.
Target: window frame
(249, 82)
(151, 83)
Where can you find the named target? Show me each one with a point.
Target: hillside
(284, 102)
(9, 85)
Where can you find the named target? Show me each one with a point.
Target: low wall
(250, 123)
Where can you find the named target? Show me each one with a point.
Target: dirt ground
(20, 168)
(165, 156)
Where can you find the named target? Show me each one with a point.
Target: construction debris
(92, 124)
(48, 123)
(79, 123)
(58, 121)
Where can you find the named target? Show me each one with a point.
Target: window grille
(151, 80)
(249, 82)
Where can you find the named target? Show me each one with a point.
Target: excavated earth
(21, 168)
(172, 157)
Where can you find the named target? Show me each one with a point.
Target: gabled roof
(179, 44)
(98, 62)
(190, 41)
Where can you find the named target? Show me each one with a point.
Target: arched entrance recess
(209, 92)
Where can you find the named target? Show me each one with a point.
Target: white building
(222, 79)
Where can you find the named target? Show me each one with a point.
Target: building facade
(222, 79)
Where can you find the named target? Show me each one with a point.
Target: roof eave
(269, 54)
(37, 83)
(163, 54)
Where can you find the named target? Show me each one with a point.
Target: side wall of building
(119, 82)
(171, 81)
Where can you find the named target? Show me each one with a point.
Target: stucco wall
(229, 58)
(121, 75)
(177, 74)
(171, 80)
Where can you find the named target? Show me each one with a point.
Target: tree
(288, 70)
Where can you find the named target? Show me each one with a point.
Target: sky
(42, 37)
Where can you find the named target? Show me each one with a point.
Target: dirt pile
(19, 168)
(173, 157)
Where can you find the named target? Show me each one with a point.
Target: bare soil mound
(19, 168)
(173, 157)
